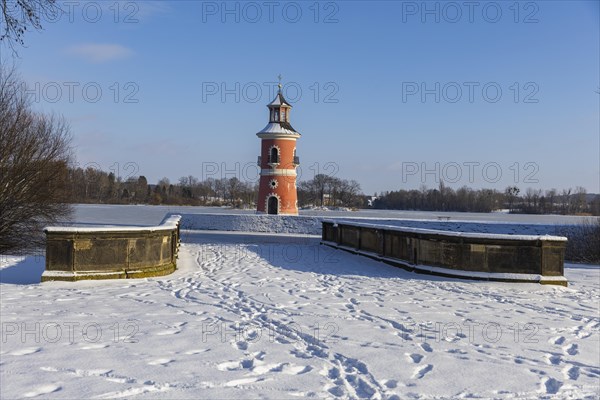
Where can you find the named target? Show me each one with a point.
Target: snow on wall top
(476, 235)
(170, 222)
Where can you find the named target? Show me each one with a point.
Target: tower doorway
(272, 205)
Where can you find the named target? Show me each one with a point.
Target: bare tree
(17, 16)
(566, 201)
(551, 198)
(511, 193)
(34, 161)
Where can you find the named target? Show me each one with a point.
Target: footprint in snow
(553, 359)
(426, 347)
(241, 345)
(558, 340)
(571, 373)
(550, 385)
(391, 383)
(419, 373)
(336, 391)
(571, 350)
(415, 358)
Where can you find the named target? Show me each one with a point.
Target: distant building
(371, 200)
(278, 161)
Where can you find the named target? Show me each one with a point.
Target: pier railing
(499, 257)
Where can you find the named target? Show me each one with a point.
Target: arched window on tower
(283, 115)
(277, 115)
(274, 156)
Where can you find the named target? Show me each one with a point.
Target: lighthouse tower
(278, 161)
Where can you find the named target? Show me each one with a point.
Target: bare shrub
(584, 241)
(34, 159)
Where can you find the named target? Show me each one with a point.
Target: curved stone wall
(498, 257)
(74, 253)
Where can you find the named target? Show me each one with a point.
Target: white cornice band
(278, 172)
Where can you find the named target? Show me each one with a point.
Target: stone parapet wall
(74, 253)
(499, 257)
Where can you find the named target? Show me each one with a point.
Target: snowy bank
(312, 224)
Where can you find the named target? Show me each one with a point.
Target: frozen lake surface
(149, 215)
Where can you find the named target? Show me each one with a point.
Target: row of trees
(95, 186)
(567, 201)
(442, 199)
(325, 190)
(465, 199)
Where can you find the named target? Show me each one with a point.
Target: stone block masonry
(74, 253)
(480, 256)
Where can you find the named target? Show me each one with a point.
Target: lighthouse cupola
(279, 109)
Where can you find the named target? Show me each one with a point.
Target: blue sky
(392, 94)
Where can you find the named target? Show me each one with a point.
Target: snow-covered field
(279, 316)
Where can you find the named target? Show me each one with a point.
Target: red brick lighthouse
(278, 161)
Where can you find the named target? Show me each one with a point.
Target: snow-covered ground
(279, 316)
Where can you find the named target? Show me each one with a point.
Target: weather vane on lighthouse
(278, 160)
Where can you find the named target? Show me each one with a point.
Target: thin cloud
(99, 53)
